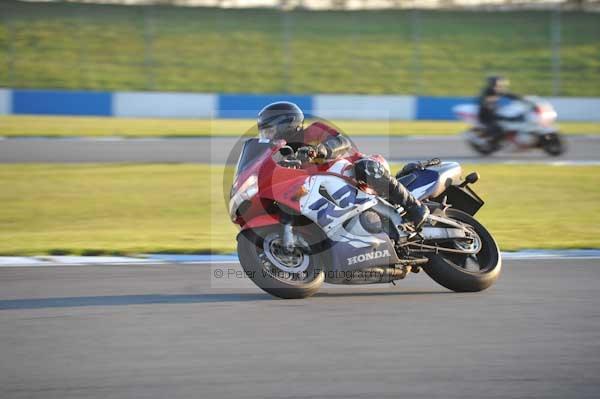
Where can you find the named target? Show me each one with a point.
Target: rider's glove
(321, 151)
(306, 153)
(310, 152)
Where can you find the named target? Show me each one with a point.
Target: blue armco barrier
(61, 102)
(248, 105)
(207, 105)
(439, 108)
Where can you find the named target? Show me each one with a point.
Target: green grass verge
(64, 126)
(128, 209)
(107, 47)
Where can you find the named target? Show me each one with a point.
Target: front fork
(288, 238)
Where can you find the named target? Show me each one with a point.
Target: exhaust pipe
(442, 233)
(372, 275)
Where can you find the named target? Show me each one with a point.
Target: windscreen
(251, 151)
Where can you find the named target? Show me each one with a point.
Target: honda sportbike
(303, 224)
(527, 124)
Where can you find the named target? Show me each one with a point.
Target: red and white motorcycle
(303, 224)
(528, 123)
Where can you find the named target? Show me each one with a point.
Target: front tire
(462, 273)
(294, 276)
(481, 144)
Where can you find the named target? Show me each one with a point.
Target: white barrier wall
(5, 102)
(364, 107)
(164, 105)
(576, 108)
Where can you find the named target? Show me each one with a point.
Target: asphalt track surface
(582, 149)
(173, 331)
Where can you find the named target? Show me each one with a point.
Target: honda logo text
(370, 256)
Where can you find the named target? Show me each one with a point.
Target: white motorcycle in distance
(529, 123)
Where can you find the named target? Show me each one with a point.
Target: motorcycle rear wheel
(288, 276)
(552, 144)
(463, 273)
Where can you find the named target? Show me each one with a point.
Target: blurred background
(435, 47)
(117, 116)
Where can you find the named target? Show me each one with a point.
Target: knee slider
(367, 170)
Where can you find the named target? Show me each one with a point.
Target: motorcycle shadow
(333, 294)
(125, 300)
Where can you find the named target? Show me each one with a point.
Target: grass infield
(163, 48)
(67, 126)
(129, 209)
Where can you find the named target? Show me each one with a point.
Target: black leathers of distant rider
(488, 111)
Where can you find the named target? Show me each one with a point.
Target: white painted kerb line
(47, 261)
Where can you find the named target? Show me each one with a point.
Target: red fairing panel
(285, 192)
(262, 221)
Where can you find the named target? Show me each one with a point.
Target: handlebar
(290, 163)
(291, 159)
(296, 159)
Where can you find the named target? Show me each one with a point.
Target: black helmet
(280, 120)
(498, 84)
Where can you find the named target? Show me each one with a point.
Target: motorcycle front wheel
(285, 274)
(467, 273)
(481, 144)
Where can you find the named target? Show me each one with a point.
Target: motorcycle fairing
(332, 200)
(344, 256)
(261, 221)
(334, 205)
(284, 192)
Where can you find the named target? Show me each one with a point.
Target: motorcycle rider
(285, 121)
(495, 89)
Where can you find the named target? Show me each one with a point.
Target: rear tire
(448, 270)
(553, 144)
(268, 277)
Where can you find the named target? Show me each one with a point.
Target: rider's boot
(416, 211)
